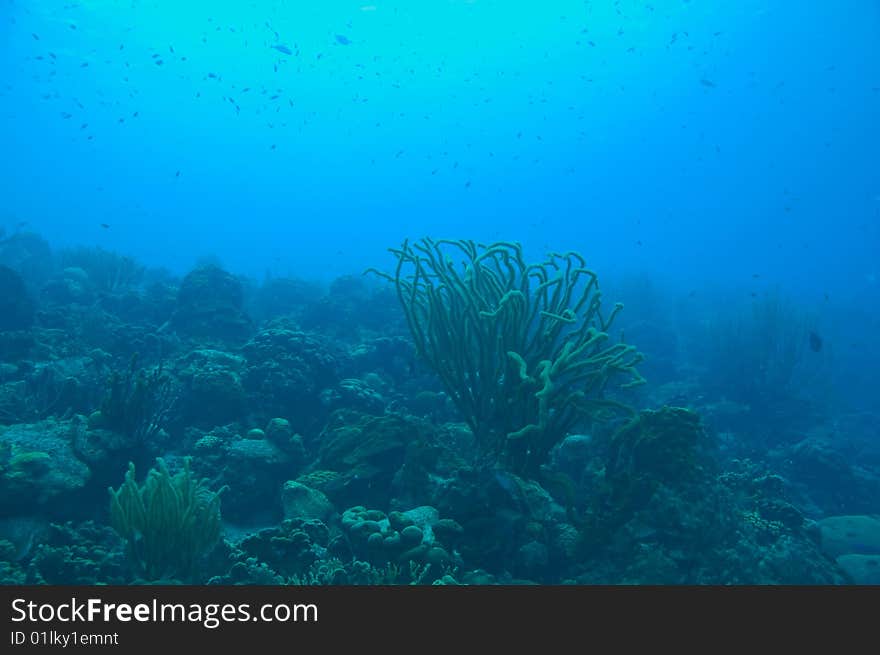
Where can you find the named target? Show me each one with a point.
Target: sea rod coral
(522, 349)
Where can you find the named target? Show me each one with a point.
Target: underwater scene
(455, 292)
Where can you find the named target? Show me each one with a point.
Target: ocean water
(191, 193)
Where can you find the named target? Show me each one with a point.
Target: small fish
(708, 83)
(177, 174)
(105, 226)
(815, 342)
(342, 39)
(283, 49)
(36, 38)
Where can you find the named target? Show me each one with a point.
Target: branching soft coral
(169, 523)
(522, 349)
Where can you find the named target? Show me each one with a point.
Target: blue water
(581, 125)
(704, 157)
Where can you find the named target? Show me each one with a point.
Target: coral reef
(474, 422)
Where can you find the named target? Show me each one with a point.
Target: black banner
(131, 619)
